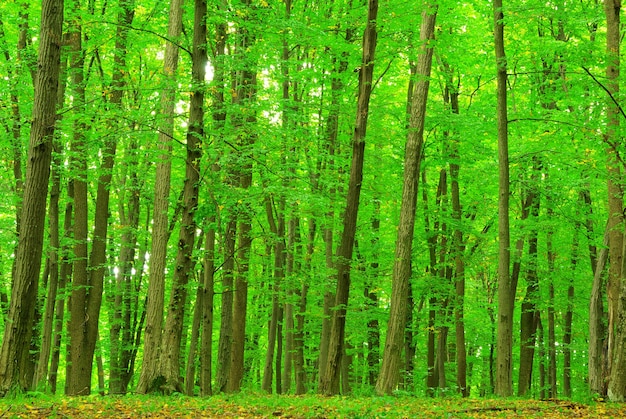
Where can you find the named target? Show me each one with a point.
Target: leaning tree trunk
(329, 381)
(392, 355)
(15, 351)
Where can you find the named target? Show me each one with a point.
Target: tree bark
(616, 286)
(169, 366)
(15, 351)
(329, 381)
(160, 232)
(390, 368)
(506, 287)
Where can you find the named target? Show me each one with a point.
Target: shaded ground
(292, 407)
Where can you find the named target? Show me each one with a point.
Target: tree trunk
(616, 287)
(278, 230)
(226, 315)
(192, 353)
(169, 366)
(15, 351)
(208, 292)
(506, 287)
(552, 390)
(160, 235)
(390, 368)
(329, 382)
(568, 320)
(65, 272)
(597, 329)
(529, 315)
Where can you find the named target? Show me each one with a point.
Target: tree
(389, 372)
(506, 287)
(329, 381)
(14, 354)
(160, 234)
(616, 288)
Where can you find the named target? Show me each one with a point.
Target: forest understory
(299, 407)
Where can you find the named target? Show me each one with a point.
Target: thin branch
(158, 35)
(608, 92)
(555, 121)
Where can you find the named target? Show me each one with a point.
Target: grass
(296, 407)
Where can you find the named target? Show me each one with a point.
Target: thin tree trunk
(529, 315)
(226, 315)
(506, 287)
(552, 390)
(208, 291)
(568, 321)
(190, 373)
(278, 230)
(329, 382)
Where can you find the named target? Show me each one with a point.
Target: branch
(608, 92)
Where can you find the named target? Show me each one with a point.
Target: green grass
(252, 405)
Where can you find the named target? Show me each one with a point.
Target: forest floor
(294, 407)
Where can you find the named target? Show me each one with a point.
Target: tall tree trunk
(15, 351)
(169, 366)
(160, 234)
(616, 287)
(121, 329)
(218, 117)
(390, 368)
(506, 287)
(329, 382)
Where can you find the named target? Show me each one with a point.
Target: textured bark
(616, 287)
(568, 320)
(277, 227)
(160, 235)
(597, 328)
(226, 315)
(190, 370)
(208, 293)
(76, 383)
(506, 288)
(121, 332)
(219, 117)
(14, 354)
(244, 122)
(371, 301)
(65, 272)
(390, 368)
(329, 381)
(169, 365)
(529, 314)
